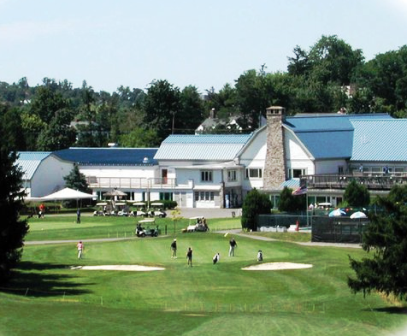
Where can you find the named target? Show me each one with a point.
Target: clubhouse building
(321, 151)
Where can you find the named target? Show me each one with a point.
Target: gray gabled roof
(207, 147)
(29, 162)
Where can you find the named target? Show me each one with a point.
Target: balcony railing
(130, 182)
(370, 180)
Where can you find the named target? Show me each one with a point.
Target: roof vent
(145, 160)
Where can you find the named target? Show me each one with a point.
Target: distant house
(232, 123)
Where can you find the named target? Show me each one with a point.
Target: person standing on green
(174, 249)
(189, 257)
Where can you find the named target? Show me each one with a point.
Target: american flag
(300, 191)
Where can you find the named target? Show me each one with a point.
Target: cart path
(237, 232)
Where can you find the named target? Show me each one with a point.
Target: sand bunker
(133, 268)
(277, 266)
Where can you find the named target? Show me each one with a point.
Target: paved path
(237, 232)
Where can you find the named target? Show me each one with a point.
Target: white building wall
(329, 166)
(254, 156)
(119, 171)
(296, 156)
(49, 176)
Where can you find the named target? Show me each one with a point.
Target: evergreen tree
(290, 203)
(76, 180)
(12, 228)
(254, 204)
(356, 195)
(386, 238)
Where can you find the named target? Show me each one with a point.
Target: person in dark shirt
(189, 257)
(232, 246)
(174, 249)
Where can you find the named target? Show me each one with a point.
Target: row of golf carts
(149, 228)
(129, 208)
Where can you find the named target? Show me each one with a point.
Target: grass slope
(48, 297)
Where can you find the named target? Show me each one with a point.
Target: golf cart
(197, 223)
(156, 210)
(141, 212)
(146, 227)
(101, 209)
(122, 209)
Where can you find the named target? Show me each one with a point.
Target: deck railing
(340, 181)
(130, 182)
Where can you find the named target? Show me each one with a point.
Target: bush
(254, 204)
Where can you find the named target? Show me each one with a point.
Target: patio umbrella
(337, 213)
(115, 192)
(358, 214)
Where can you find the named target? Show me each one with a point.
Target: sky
(186, 42)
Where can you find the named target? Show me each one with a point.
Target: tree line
(330, 76)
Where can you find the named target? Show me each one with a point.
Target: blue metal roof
(380, 140)
(109, 156)
(329, 136)
(29, 162)
(294, 183)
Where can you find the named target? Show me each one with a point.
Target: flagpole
(307, 209)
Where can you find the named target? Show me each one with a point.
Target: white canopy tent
(67, 194)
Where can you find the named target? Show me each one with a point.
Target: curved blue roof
(329, 136)
(109, 156)
(380, 140)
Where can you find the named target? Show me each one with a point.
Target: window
(232, 175)
(298, 172)
(252, 173)
(165, 196)
(340, 169)
(206, 176)
(204, 196)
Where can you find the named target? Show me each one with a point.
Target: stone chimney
(275, 165)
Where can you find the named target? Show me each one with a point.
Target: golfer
(232, 246)
(216, 258)
(80, 249)
(174, 249)
(189, 257)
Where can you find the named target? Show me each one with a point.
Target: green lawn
(65, 227)
(48, 297)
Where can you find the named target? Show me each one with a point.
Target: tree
(386, 238)
(254, 204)
(161, 105)
(58, 134)
(76, 180)
(290, 203)
(191, 111)
(12, 228)
(12, 130)
(356, 195)
(139, 138)
(254, 93)
(47, 102)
